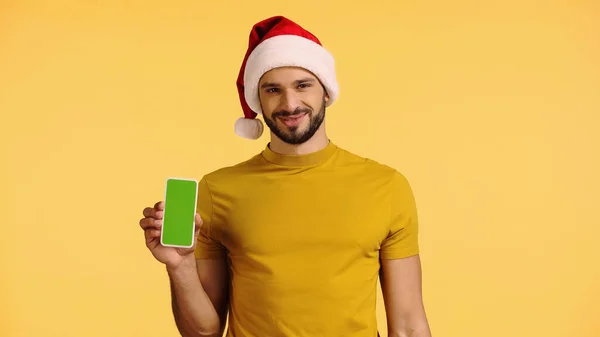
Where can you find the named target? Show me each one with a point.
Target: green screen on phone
(179, 212)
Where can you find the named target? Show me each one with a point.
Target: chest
(306, 216)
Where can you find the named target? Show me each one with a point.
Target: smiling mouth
(292, 120)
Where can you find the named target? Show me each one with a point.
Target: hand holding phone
(171, 243)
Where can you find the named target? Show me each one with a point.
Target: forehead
(287, 75)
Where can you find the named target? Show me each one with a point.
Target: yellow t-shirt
(303, 235)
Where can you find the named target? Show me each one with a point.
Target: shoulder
(233, 172)
(372, 168)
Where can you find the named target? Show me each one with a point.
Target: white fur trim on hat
(288, 50)
(249, 128)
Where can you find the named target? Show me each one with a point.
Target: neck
(318, 142)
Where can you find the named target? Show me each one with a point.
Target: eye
(272, 90)
(304, 85)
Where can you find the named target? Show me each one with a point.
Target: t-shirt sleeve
(208, 245)
(403, 236)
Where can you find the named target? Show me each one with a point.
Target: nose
(289, 101)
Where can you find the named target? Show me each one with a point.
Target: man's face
(293, 103)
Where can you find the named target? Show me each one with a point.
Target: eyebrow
(274, 85)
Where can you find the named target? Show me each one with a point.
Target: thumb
(199, 224)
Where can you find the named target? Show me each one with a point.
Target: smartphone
(179, 213)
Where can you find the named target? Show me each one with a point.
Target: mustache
(297, 111)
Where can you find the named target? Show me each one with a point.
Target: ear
(325, 93)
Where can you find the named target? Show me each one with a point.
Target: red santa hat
(278, 42)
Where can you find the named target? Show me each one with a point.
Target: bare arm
(199, 294)
(402, 294)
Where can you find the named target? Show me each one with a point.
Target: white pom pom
(249, 128)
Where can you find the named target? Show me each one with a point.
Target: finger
(199, 221)
(147, 223)
(151, 233)
(159, 206)
(152, 212)
(148, 211)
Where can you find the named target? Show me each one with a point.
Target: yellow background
(489, 108)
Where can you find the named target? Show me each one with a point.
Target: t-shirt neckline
(308, 159)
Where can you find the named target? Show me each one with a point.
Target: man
(292, 241)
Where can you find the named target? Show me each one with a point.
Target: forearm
(194, 313)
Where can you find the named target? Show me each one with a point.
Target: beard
(294, 135)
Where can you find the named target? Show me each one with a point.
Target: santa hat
(278, 42)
